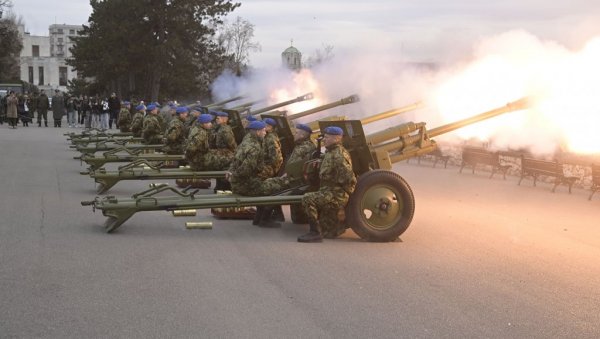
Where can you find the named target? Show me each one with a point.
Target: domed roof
(291, 50)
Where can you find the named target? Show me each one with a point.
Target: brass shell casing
(198, 224)
(184, 213)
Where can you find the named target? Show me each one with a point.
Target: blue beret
(140, 107)
(182, 109)
(256, 125)
(204, 118)
(333, 130)
(125, 103)
(150, 107)
(156, 104)
(251, 118)
(270, 121)
(222, 114)
(304, 127)
(172, 106)
(210, 111)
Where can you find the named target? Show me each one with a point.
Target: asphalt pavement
(483, 258)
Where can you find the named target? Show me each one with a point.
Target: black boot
(257, 215)
(265, 218)
(39, 124)
(313, 235)
(46, 123)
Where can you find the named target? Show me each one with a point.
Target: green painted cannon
(380, 209)
(134, 152)
(141, 169)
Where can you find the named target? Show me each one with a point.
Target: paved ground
(482, 258)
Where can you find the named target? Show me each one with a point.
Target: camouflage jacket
(272, 152)
(336, 170)
(124, 118)
(224, 138)
(302, 151)
(137, 123)
(151, 130)
(176, 133)
(247, 160)
(197, 145)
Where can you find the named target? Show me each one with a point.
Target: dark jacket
(58, 107)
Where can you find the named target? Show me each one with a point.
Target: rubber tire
(356, 219)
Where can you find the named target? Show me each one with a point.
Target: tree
(320, 56)
(236, 41)
(151, 48)
(10, 46)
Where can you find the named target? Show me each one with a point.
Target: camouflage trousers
(218, 160)
(256, 187)
(324, 206)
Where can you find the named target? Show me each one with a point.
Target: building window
(71, 31)
(31, 74)
(60, 31)
(41, 76)
(60, 40)
(62, 76)
(35, 50)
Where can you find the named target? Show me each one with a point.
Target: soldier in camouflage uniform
(137, 122)
(197, 146)
(303, 150)
(337, 182)
(242, 173)
(272, 155)
(151, 132)
(223, 145)
(176, 133)
(124, 117)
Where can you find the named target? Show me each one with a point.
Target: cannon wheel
(381, 207)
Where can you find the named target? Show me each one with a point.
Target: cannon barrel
(402, 130)
(245, 105)
(226, 101)
(307, 96)
(392, 112)
(344, 101)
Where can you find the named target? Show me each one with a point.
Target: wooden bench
(472, 156)
(534, 167)
(595, 180)
(437, 155)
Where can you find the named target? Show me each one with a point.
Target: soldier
(192, 119)
(124, 117)
(242, 174)
(224, 144)
(43, 106)
(176, 133)
(197, 146)
(272, 156)
(151, 131)
(137, 122)
(337, 182)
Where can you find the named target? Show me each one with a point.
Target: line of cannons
(380, 209)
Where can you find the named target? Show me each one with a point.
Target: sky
(438, 31)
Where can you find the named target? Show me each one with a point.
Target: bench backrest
(479, 155)
(544, 167)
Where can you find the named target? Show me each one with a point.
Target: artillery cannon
(140, 169)
(380, 209)
(134, 152)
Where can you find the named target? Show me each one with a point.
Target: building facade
(43, 58)
(292, 58)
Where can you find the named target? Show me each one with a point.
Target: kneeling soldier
(337, 182)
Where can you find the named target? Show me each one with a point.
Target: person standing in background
(11, 109)
(58, 108)
(114, 107)
(43, 105)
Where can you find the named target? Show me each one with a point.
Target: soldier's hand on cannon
(227, 175)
